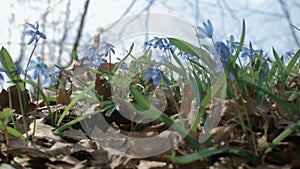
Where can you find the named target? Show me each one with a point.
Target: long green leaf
(72, 122)
(13, 132)
(282, 136)
(44, 98)
(279, 62)
(9, 66)
(240, 47)
(202, 154)
(147, 110)
(123, 60)
(73, 102)
(290, 66)
(193, 50)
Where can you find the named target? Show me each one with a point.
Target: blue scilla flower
(53, 77)
(249, 53)
(187, 56)
(1, 75)
(38, 68)
(19, 68)
(106, 49)
(224, 53)
(207, 29)
(17, 65)
(222, 50)
(161, 43)
(232, 45)
(93, 56)
(35, 33)
(289, 55)
(154, 74)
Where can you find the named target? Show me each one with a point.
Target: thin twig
(288, 18)
(81, 25)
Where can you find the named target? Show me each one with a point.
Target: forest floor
(73, 148)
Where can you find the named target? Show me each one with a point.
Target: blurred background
(71, 24)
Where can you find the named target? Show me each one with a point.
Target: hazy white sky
(266, 26)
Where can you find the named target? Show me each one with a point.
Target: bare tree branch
(81, 25)
(65, 33)
(288, 18)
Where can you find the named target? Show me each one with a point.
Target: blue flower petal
(1, 77)
(35, 74)
(42, 35)
(207, 29)
(222, 50)
(36, 25)
(31, 39)
(31, 25)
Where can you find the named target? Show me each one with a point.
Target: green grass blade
(282, 136)
(13, 132)
(202, 154)
(207, 99)
(123, 60)
(193, 50)
(11, 69)
(73, 102)
(44, 98)
(146, 109)
(279, 62)
(72, 122)
(240, 47)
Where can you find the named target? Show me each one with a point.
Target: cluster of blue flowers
(160, 43)
(36, 65)
(164, 45)
(225, 50)
(94, 57)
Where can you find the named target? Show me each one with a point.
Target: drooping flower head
(223, 52)
(207, 29)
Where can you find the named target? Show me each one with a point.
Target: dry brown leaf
(14, 93)
(107, 67)
(223, 134)
(64, 96)
(100, 157)
(43, 130)
(262, 144)
(151, 164)
(73, 134)
(153, 145)
(60, 148)
(103, 88)
(187, 99)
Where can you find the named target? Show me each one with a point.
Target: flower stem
(31, 54)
